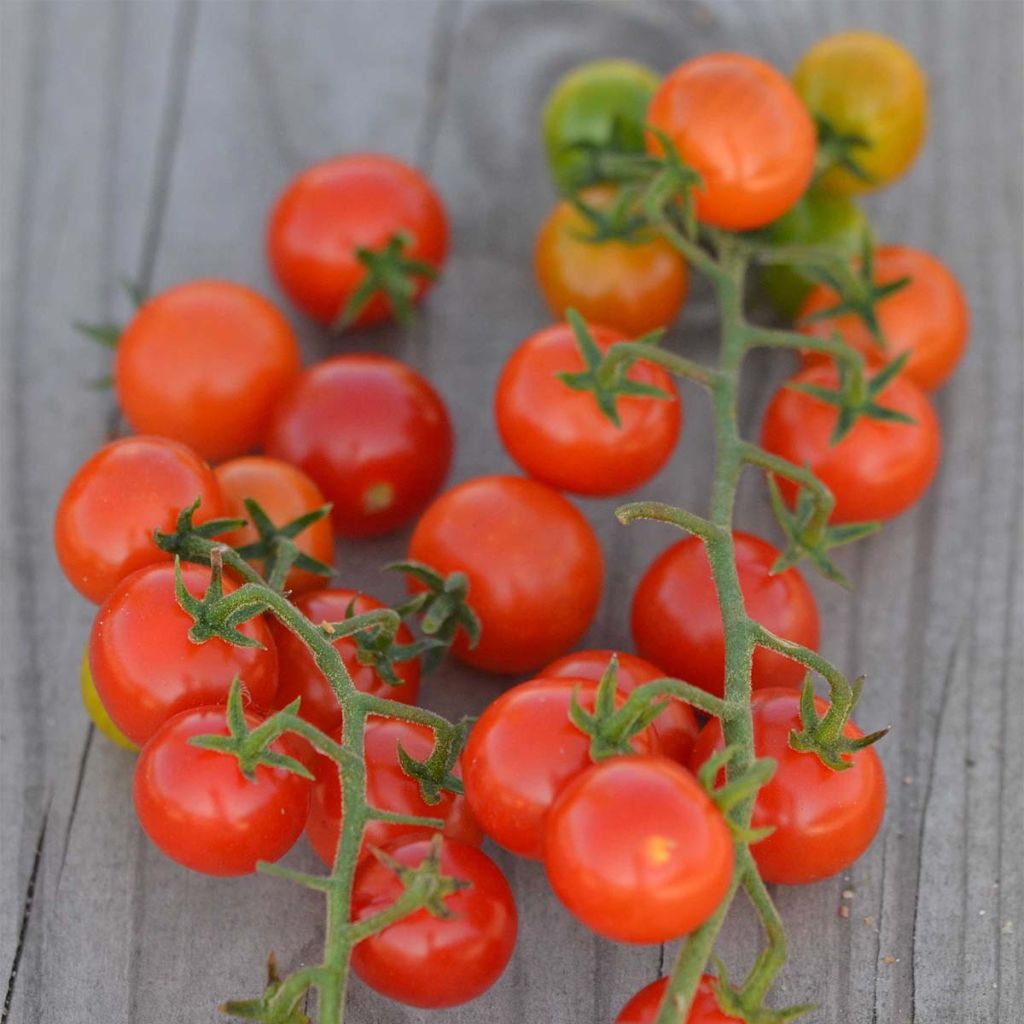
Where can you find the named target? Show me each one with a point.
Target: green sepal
(838, 149)
(274, 1006)
(738, 1003)
(426, 879)
(435, 774)
(623, 220)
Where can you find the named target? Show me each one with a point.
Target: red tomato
(533, 562)
(677, 622)
(823, 819)
(637, 851)
(676, 726)
(879, 469)
(521, 752)
(103, 530)
(632, 284)
(387, 788)
(199, 808)
(643, 1007)
(284, 492)
(927, 318)
(561, 436)
(146, 668)
(740, 124)
(205, 363)
(298, 675)
(333, 209)
(372, 433)
(429, 961)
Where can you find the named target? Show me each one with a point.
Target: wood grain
(148, 140)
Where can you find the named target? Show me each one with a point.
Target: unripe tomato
(95, 709)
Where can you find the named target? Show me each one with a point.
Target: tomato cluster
(582, 766)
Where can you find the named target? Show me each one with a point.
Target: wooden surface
(148, 139)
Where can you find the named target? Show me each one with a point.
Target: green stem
(623, 353)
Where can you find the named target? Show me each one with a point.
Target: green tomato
(602, 104)
(95, 709)
(818, 219)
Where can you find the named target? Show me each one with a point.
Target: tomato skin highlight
(637, 851)
(866, 84)
(145, 667)
(387, 788)
(562, 438)
(204, 363)
(823, 819)
(332, 209)
(635, 285)
(511, 784)
(927, 318)
(533, 562)
(643, 1007)
(284, 492)
(739, 123)
(433, 962)
(103, 527)
(298, 675)
(879, 469)
(96, 711)
(677, 726)
(676, 621)
(201, 811)
(372, 433)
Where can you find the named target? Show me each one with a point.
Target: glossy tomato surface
(298, 675)
(284, 492)
(521, 752)
(643, 1007)
(677, 725)
(637, 851)
(635, 285)
(879, 469)
(333, 209)
(389, 789)
(927, 319)
(740, 124)
(562, 438)
(374, 436)
(205, 363)
(429, 961)
(146, 668)
(533, 562)
(198, 807)
(823, 819)
(103, 528)
(677, 621)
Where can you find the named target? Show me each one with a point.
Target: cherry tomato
(677, 622)
(298, 675)
(533, 562)
(823, 819)
(335, 208)
(95, 709)
(600, 105)
(561, 436)
(634, 285)
(865, 84)
(199, 808)
(284, 492)
(372, 433)
(643, 1007)
(738, 123)
(819, 218)
(521, 752)
(676, 726)
(429, 961)
(204, 363)
(637, 851)
(388, 788)
(147, 669)
(927, 318)
(879, 469)
(103, 529)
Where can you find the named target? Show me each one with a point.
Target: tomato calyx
(620, 220)
(192, 542)
(739, 788)
(839, 149)
(435, 773)
(745, 1003)
(389, 272)
(108, 333)
(279, 1003)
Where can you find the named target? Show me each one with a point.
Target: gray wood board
(148, 140)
